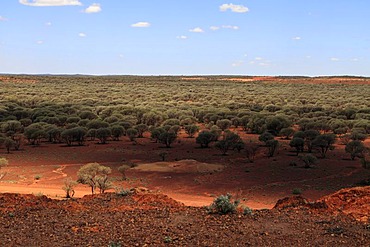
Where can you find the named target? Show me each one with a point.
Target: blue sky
(185, 37)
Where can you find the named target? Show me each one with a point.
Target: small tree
(3, 162)
(156, 132)
(9, 143)
(231, 140)
(94, 175)
(298, 144)
(68, 187)
(223, 124)
(323, 143)
(117, 132)
(272, 146)
(356, 149)
(205, 138)
(141, 128)
(251, 149)
(132, 134)
(286, 133)
(103, 134)
(309, 136)
(122, 169)
(265, 137)
(167, 138)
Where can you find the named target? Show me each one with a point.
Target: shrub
(247, 210)
(122, 191)
(114, 244)
(296, 191)
(223, 205)
(309, 160)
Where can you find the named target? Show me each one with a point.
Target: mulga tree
(117, 132)
(323, 143)
(251, 149)
(103, 134)
(3, 162)
(204, 138)
(141, 128)
(309, 136)
(34, 133)
(167, 138)
(298, 144)
(355, 149)
(230, 141)
(272, 147)
(265, 137)
(132, 134)
(286, 133)
(223, 124)
(275, 124)
(191, 130)
(156, 132)
(95, 176)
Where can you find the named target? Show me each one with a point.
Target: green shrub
(114, 244)
(247, 210)
(223, 205)
(122, 191)
(296, 191)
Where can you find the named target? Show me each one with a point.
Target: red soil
(258, 185)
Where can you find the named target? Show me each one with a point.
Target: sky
(185, 37)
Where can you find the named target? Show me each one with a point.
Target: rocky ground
(147, 219)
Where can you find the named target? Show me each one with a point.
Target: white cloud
(40, 42)
(230, 27)
(296, 38)
(354, 59)
(141, 24)
(215, 28)
(181, 37)
(93, 8)
(334, 59)
(237, 63)
(41, 3)
(120, 56)
(82, 35)
(3, 18)
(245, 55)
(258, 58)
(48, 24)
(308, 57)
(196, 30)
(234, 8)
